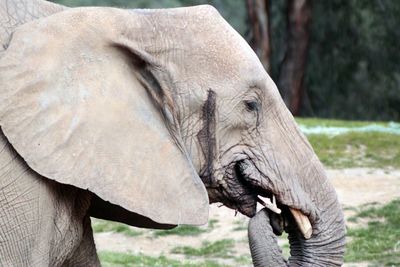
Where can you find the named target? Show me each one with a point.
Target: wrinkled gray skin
(263, 242)
(266, 252)
(42, 223)
(243, 142)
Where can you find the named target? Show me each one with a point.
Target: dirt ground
(355, 187)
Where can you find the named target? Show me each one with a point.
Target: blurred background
(337, 61)
(330, 59)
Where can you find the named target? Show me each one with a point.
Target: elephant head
(158, 113)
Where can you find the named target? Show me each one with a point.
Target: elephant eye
(251, 105)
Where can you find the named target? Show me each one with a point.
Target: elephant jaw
(302, 221)
(264, 196)
(244, 185)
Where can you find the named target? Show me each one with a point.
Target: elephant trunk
(263, 242)
(324, 248)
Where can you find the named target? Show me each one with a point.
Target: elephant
(145, 117)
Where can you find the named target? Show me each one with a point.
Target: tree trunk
(293, 67)
(260, 40)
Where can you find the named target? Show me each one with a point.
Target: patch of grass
(115, 259)
(312, 122)
(240, 225)
(100, 226)
(285, 247)
(212, 223)
(243, 260)
(221, 249)
(187, 230)
(352, 219)
(350, 208)
(355, 149)
(182, 230)
(379, 241)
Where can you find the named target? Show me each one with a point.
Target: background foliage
(353, 67)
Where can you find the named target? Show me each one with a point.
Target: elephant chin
(265, 250)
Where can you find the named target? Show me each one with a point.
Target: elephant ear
(82, 106)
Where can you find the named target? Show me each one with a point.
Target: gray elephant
(145, 117)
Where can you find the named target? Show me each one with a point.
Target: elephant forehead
(198, 38)
(225, 50)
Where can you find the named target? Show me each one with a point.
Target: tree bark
(291, 76)
(260, 40)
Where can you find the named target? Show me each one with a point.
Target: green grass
(285, 248)
(240, 225)
(187, 230)
(354, 149)
(115, 259)
(379, 241)
(243, 260)
(100, 226)
(183, 230)
(220, 249)
(312, 122)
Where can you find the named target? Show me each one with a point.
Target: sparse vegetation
(183, 230)
(374, 150)
(284, 245)
(243, 260)
(354, 149)
(240, 225)
(379, 241)
(220, 249)
(316, 122)
(187, 230)
(114, 259)
(100, 226)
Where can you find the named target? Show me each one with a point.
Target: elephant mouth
(281, 215)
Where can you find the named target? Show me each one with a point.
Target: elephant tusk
(266, 202)
(302, 222)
